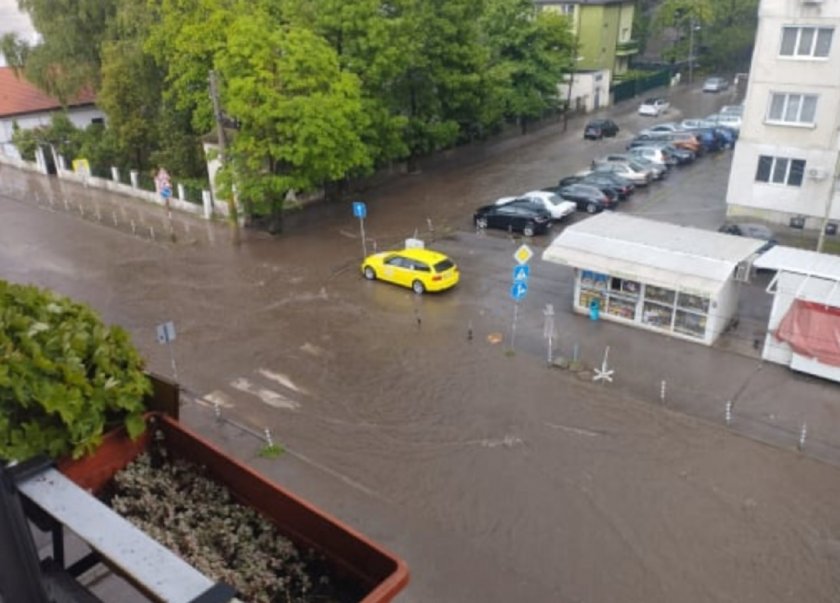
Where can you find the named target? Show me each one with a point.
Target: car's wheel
(370, 273)
(481, 223)
(528, 231)
(418, 287)
(591, 208)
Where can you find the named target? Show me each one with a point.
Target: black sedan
(587, 197)
(614, 187)
(600, 128)
(521, 215)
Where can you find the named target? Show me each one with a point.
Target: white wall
(587, 86)
(818, 145)
(81, 117)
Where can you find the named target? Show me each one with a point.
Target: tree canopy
(315, 91)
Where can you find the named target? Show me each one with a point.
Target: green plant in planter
(65, 377)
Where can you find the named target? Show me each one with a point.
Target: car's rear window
(444, 265)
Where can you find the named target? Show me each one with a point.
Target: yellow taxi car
(419, 269)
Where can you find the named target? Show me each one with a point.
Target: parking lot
(424, 423)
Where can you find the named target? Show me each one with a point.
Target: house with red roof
(24, 103)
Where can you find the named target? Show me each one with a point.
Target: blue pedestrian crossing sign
(521, 272)
(518, 290)
(359, 210)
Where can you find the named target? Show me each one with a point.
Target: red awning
(812, 330)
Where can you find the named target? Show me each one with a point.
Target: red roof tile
(19, 97)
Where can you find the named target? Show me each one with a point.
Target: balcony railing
(627, 48)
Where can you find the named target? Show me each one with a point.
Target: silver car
(632, 172)
(656, 171)
(654, 154)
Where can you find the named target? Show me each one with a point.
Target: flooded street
(495, 477)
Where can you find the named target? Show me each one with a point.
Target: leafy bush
(65, 377)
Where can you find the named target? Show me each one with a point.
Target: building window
(806, 41)
(780, 170)
(792, 108)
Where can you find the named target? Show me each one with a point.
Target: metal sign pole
(513, 327)
(364, 243)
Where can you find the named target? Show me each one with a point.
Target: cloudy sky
(12, 20)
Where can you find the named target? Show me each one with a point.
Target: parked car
(754, 231)
(609, 186)
(711, 141)
(652, 140)
(732, 110)
(555, 205)
(675, 154)
(654, 107)
(686, 140)
(657, 171)
(418, 269)
(652, 154)
(691, 124)
(523, 216)
(715, 84)
(639, 177)
(727, 135)
(729, 120)
(588, 198)
(600, 128)
(663, 127)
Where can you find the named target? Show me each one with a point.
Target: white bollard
(181, 194)
(728, 412)
(268, 439)
(802, 435)
(114, 216)
(207, 203)
(133, 227)
(662, 388)
(217, 410)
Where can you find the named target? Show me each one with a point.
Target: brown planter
(351, 556)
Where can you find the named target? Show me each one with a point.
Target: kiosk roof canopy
(801, 261)
(657, 252)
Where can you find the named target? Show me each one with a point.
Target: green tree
(65, 377)
(728, 41)
(371, 42)
(67, 60)
(530, 53)
(301, 118)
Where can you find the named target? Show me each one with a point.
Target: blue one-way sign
(518, 290)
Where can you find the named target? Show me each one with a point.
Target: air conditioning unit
(816, 174)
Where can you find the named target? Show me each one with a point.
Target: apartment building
(786, 162)
(603, 30)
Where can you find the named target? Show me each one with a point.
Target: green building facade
(603, 30)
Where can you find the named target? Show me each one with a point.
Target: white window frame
(787, 105)
(796, 55)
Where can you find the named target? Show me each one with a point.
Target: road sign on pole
(521, 272)
(518, 291)
(523, 254)
(360, 212)
(166, 335)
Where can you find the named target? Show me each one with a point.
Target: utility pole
(220, 128)
(835, 176)
(691, 48)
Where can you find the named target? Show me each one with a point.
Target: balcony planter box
(368, 571)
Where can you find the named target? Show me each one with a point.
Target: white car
(558, 207)
(640, 164)
(732, 110)
(654, 107)
(666, 128)
(694, 124)
(656, 155)
(715, 84)
(726, 119)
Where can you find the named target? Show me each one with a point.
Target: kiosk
(804, 327)
(675, 280)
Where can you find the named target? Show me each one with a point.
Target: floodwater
(494, 477)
